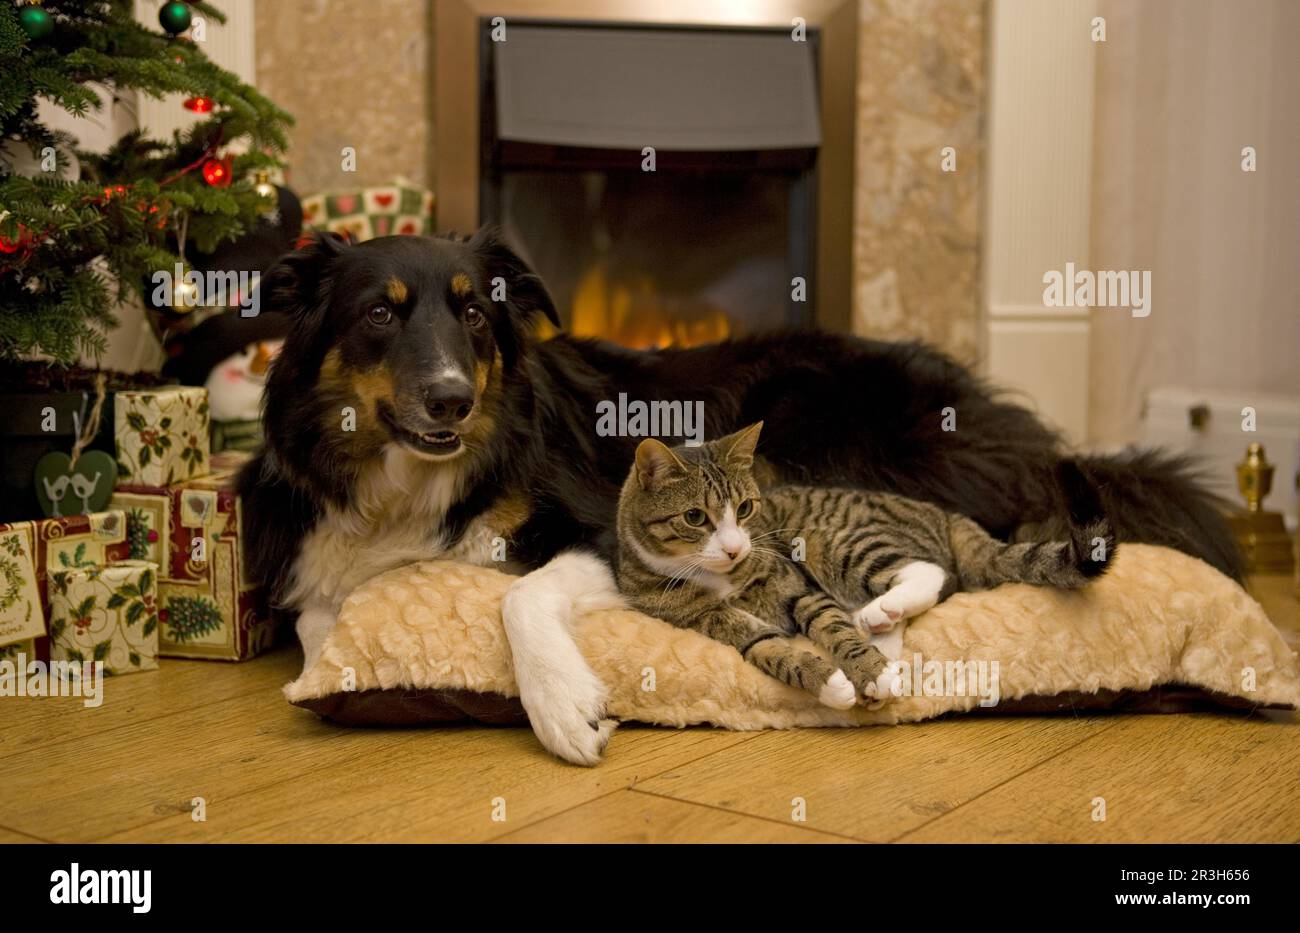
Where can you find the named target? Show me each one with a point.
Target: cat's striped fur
(701, 546)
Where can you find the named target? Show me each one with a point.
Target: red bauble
(216, 172)
(8, 246)
(199, 104)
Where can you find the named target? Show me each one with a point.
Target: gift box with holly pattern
(194, 532)
(30, 552)
(365, 213)
(161, 435)
(107, 614)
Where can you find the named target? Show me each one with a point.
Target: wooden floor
(134, 770)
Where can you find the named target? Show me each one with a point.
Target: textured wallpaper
(916, 231)
(353, 74)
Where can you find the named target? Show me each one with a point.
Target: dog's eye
(745, 509)
(474, 316)
(695, 517)
(380, 314)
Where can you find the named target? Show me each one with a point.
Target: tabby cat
(700, 547)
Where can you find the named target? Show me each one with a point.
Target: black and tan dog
(412, 414)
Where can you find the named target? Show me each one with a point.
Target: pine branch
(71, 250)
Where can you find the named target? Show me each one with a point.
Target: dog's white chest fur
(398, 517)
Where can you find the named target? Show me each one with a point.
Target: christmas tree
(70, 250)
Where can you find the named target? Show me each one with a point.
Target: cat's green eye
(745, 509)
(695, 517)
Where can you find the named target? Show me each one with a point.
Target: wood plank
(1184, 778)
(32, 723)
(633, 816)
(365, 785)
(873, 784)
(11, 837)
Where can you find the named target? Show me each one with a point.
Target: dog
(413, 413)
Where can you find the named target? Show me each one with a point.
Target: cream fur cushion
(425, 643)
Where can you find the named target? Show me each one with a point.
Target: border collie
(413, 414)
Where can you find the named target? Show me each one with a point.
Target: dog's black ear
(525, 293)
(292, 285)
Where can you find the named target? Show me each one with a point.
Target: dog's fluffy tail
(1152, 497)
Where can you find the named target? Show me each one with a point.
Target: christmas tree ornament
(198, 104)
(67, 488)
(36, 22)
(263, 185)
(216, 172)
(83, 482)
(185, 295)
(174, 17)
(10, 245)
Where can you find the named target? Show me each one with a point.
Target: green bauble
(36, 22)
(175, 18)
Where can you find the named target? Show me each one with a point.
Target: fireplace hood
(677, 90)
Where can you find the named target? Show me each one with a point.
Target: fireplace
(661, 180)
(674, 181)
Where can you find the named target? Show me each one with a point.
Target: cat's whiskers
(767, 550)
(768, 534)
(686, 573)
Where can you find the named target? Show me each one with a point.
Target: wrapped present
(193, 531)
(30, 552)
(365, 213)
(161, 435)
(236, 435)
(21, 618)
(26, 651)
(107, 614)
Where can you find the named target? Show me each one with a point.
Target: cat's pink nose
(732, 553)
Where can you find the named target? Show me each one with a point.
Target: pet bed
(1161, 631)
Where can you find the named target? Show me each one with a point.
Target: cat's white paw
(890, 643)
(889, 682)
(877, 616)
(838, 692)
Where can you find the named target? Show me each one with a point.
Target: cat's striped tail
(984, 562)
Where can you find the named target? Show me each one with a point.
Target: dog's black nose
(449, 400)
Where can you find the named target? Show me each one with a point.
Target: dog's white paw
(569, 719)
(877, 616)
(838, 692)
(564, 699)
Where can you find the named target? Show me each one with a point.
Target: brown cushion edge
(416, 707)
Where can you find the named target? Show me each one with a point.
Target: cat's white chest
(719, 584)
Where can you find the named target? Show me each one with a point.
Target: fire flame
(632, 312)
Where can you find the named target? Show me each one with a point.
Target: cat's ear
(655, 464)
(738, 448)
